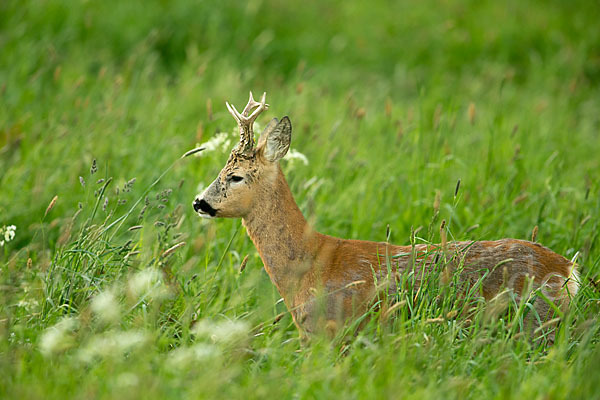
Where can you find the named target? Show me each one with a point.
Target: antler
(246, 122)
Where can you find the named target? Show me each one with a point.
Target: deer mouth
(204, 209)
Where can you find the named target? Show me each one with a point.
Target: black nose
(196, 205)
(202, 205)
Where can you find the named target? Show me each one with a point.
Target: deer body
(327, 281)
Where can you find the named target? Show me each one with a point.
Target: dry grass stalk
(243, 264)
(437, 320)
(278, 318)
(51, 205)
(193, 151)
(534, 233)
(471, 113)
(172, 249)
(447, 272)
(209, 109)
(437, 201)
(393, 308)
(388, 107)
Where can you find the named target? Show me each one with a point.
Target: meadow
(481, 114)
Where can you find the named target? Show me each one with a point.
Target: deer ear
(277, 139)
(263, 136)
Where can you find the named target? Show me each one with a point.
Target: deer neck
(281, 235)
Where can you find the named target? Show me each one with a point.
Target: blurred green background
(392, 103)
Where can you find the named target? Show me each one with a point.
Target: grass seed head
(209, 109)
(52, 204)
(193, 151)
(388, 107)
(471, 113)
(243, 264)
(437, 201)
(360, 113)
(534, 233)
(172, 249)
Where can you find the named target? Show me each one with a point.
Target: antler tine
(251, 104)
(262, 106)
(246, 122)
(232, 110)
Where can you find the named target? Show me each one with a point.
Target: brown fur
(327, 281)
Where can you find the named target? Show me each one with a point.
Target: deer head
(250, 169)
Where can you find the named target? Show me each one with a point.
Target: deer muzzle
(203, 203)
(204, 209)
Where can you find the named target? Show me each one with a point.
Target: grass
(392, 104)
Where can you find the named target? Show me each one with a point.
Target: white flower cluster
(106, 306)
(7, 233)
(186, 356)
(63, 336)
(220, 142)
(148, 283)
(294, 155)
(223, 141)
(222, 331)
(109, 344)
(59, 337)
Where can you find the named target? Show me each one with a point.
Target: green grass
(391, 102)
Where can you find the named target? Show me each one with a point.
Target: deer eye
(236, 178)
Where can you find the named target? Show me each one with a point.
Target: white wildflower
(106, 306)
(220, 142)
(222, 331)
(112, 344)
(58, 337)
(146, 283)
(7, 233)
(294, 155)
(28, 303)
(185, 356)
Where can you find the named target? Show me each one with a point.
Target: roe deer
(325, 281)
